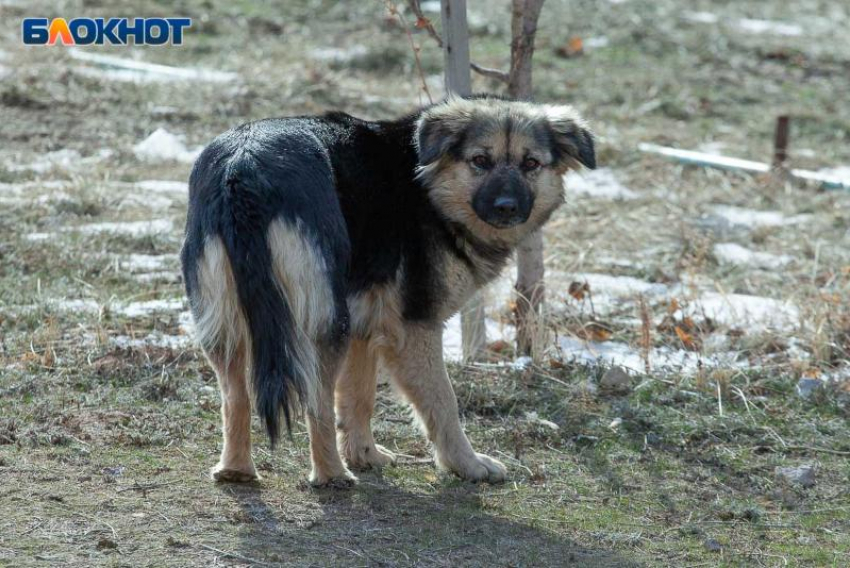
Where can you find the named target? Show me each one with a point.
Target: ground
(723, 297)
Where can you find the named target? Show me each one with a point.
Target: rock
(616, 423)
(106, 544)
(616, 379)
(808, 386)
(803, 475)
(712, 545)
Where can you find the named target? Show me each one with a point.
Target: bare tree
(529, 284)
(530, 271)
(458, 81)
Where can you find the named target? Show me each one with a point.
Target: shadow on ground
(378, 524)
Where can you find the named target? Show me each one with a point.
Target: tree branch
(422, 22)
(497, 74)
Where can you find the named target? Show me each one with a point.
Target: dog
(316, 247)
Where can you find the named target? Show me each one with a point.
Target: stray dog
(317, 245)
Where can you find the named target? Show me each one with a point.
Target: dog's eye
(481, 161)
(530, 164)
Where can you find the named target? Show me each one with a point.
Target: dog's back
(264, 258)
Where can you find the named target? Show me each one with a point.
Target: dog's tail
(260, 292)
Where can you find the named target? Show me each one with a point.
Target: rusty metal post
(780, 142)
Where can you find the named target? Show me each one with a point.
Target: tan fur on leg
(328, 469)
(355, 402)
(420, 374)
(236, 464)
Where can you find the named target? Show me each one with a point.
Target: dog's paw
(368, 457)
(221, 474)
(478, 467)
(342, 480)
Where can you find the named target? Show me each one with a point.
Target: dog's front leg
(420, 373)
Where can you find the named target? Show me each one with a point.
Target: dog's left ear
(436, 135)
(571, 140)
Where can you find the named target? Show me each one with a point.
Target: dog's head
(496, 166)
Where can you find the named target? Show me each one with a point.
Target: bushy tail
(247, 299)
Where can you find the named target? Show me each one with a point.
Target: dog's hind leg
(355, 402)
(220, 326)
(420, 374)
(235, 464)
(328, 468)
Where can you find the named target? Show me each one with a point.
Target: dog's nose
(506, 206)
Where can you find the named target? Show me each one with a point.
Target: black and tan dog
(316, 245)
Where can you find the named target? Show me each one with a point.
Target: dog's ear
(571, 140)
(437, 133)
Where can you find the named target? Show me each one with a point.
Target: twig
(393, 10)
(497, 74)
(821, 450)
(424, 23)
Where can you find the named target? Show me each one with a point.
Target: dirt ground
(723, 296)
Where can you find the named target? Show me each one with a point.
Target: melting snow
(63, 159)
(732, 253)
(162, 145)
(616, 353)
(453, 346)
(753, 313)
(141, 309)
(163, 186)
(601, 183)
(339, 54)
(153, 339)
(146, 262)
(122, 69)
(135, 228)
(702, 17)
(769, 27)
(753, 218)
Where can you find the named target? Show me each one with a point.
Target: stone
(616, 379)
(806, 387)
(803, 475)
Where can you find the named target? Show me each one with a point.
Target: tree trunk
(529, 284)
(459, 82)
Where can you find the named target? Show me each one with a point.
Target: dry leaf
(578, 290)
(686, 338)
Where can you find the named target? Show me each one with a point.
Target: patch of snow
(146, 262)
(162, 145)
(37, 237)
(123, 69)
(753, 218)
(158, 276)
(733, 253)
(701, 17)
(754, 26)
(63, 159)
(840, 173)
(87, 306)
(339, 54)
(596, 42)
(153, 339)
(620, 354)
(162, 186)
(753, 313)
(146, 308)
(432, 6)
(135, 228)
(453, 346)
(601, 183)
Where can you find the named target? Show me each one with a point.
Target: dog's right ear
(438, 131)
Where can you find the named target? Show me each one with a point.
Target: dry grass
(109, 421)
